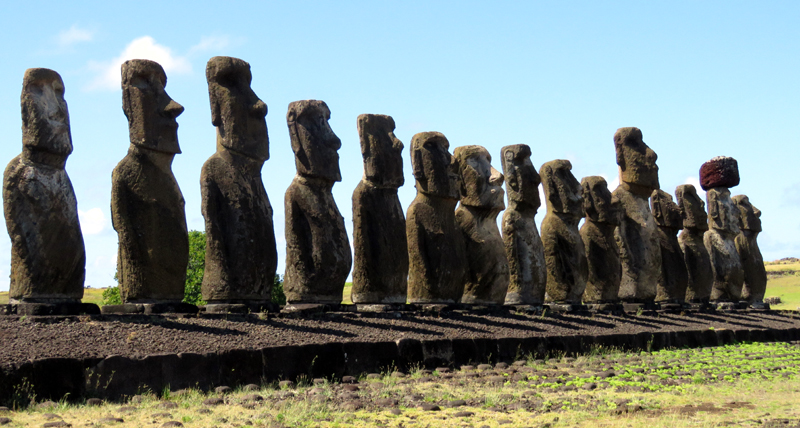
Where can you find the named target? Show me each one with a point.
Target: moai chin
(47, 253)
(318, 257)
(436, 250)
(597, 233)
(523, 245)
(481, 201)
(147, 207)
(755, 275)
(674, 278)
(564, 254)
(637, 233)
(241, 255)
(380, 273)
(695, 255)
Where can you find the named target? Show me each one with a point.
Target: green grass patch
(787, 288)
(90, 295)
(348, 288)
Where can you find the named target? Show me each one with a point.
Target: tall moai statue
(564, 253)
(755, 274)
(716, 177)
(523, 245)
(695, 255)
(436, 250)
(597, 233)
(147, 207)
(380, 273)
(318, 257)
(481, 201)
(637, 233)
(241, 256)
(47, 253)
(674, 278)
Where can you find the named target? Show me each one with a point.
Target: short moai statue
(716, 177)
(147, 207)
(380, 273)
(695, 255)
(47, 254)
(481, 201)
(637, 233)
(241, 255)
(674, 278)
(436, 250)
(564, 253)
(755, 274)
(523, 245)
(318, 257)
(597, 233)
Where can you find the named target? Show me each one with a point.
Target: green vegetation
(346, 298)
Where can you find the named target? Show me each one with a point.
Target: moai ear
(216, 115)
(419, 169)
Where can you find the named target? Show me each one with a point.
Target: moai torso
(597, 233)
(755, 274)
(700, 276)
(674, 278)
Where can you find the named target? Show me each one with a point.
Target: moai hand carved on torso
(755, 274)
(673, 279)
(695, 255)
(597, 233)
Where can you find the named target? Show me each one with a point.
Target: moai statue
(674, 278)
(436, 250)
(241, 256)
(47, 254)
(523, 245)
(147, 207)
(380, 274)
(481, 201)
(637, 233)
(755, 275)
(716, 177)
(564, 254)
(695, 254)
(318, 257)
(597, 232)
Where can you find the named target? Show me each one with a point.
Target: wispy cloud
(210, 43)
(108, 72)
(694, 181)
(74, 35)
(93, 221)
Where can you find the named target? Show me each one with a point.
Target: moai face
(481, 184)
(692, 207)
(749, 215)
(562, 189)
(522, 180)
(314, 144)
(381, 150)
(150, 111)
(45, 118)
(435, 170)
(637, 161)
(723, 215)
(236, 110)
(597, 201)
(666, 212)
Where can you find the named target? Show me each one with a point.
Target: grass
(782, 266)
(786, 287)
(90, 295)
(348, 287)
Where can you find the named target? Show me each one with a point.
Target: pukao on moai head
(523, 245)
(674, 278)
(380, 273)
(755, 274)
(597, 233)
(481, 201)
(47, 252)
(695, 254)
(564, 253)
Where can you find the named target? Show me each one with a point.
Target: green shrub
(277, 291)
(111, 296)
(194, 272)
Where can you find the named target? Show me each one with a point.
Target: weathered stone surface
(597, 233)
(564, 253)
(318, 257)
(481, 201)
(147, 207)
(241, 255)
(436, 249)
(723, 221)
(380, 273)
(755, 274)
(674, 279)
(47, 253)
(637, 234)
(721, 171)
(523, 245)
(695, 255)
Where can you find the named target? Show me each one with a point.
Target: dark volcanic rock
(755, 274)
(695, 255)
(673, 279)
(721, 171)
(723, 221)
(597, 233)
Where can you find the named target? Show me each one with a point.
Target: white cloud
(542, 197)
(92, 221)
(210, 43)
(108, 73)
(696, 183)
(613, 184)
(74, 35)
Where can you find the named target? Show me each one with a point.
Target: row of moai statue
(441, 252)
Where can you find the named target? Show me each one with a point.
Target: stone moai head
(749, 215)
(637, 161)
(562, 189)
(481, 184)
(665, 212)
(692, 207)
(597, 201)
(45, 118)
(435, 170)
(150, 111)
(723, 215)
(382, 151)
(314, 144)
(236, 110)
(522, 180)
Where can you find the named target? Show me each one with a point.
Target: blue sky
(701, 79)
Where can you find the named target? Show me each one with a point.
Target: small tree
(194, 271)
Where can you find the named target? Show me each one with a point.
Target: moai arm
(121, 195)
